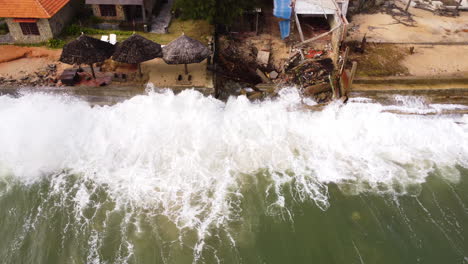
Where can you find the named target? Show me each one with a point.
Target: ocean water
(164, 178)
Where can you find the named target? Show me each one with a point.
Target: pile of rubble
(258, 73)
(313, 76)
(443, 7)
(44, 77)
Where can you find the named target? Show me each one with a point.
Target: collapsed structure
(314, 20)
(299, 44)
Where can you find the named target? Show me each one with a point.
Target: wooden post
(363, 43)
(407, 6)
(334, 91)
(299, 28)
(139, 70)
(256, 24)
(345, 59)
(92, 70)
(353, 73)
(186, 69)
(459, 4)
(143, 11)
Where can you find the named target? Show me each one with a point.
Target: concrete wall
(119, 9)
(17, 34)
(62, 18)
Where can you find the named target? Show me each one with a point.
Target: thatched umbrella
(185, 50)
(86, 50)
(137, 49)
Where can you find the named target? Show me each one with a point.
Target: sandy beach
(16, 61)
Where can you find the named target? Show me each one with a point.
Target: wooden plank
(353, 73)
(319, 36)
(263, 76)
(345, 59)
(299, 28)
(317, 88)
(266, 87)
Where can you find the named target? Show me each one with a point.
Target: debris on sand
(253, 62)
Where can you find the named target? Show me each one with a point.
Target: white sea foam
(185, 154)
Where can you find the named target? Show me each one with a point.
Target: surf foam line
(184, 154)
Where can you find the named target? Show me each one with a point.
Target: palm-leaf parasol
(86, 50)
(185, 50)
(137, 49)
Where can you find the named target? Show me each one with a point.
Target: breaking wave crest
(187, 156)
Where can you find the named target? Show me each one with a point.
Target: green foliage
(40, 44)
(3, 29)
(95, 20)
(71, 30)
(217, 12)
(55, 43)
(76, 30)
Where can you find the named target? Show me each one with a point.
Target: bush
(216, 12)
(55, 43)
(72, 30)
(95, 20)
(76, 30)
(3, 29)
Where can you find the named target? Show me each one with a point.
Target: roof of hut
(185, 50)
(137, 49)
(86, 50)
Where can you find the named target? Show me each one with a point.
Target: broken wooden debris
(316, 88)
(69, 77)
(262, 75)
(266, 87)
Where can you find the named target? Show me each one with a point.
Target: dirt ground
(395, 59)
(427, 60)
(380, 60)
(437, 60)
(163, 75)
(279, 50)
(16, 61)
(381, 27)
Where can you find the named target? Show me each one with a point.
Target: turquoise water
(183, 179)
(428, 227)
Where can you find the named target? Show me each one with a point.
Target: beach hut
(137, 49)
(185, 50)
(86, 50)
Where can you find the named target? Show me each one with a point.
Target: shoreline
(114, 94)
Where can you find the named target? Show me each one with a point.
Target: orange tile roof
(31, 8)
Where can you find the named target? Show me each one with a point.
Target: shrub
(72, 30)
(3, 29)
(55, 43)
(95, 20)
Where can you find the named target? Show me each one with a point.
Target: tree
(216, 11)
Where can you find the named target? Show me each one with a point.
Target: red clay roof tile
(31, 8)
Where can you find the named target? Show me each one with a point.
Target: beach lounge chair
(105, 38)
(69, 77)
(113, 39)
